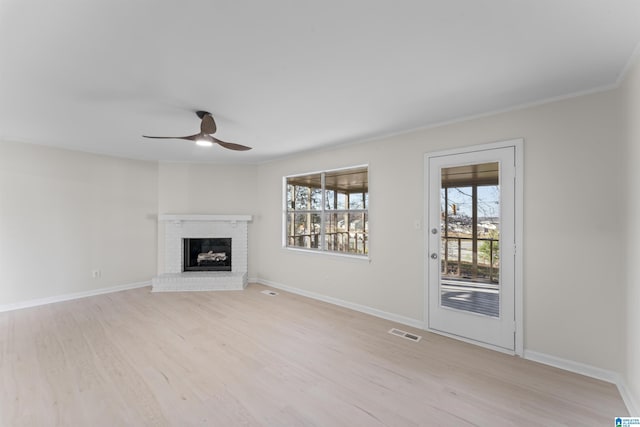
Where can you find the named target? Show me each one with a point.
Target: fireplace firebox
(211, 254)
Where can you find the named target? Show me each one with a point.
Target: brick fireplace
(179, 229)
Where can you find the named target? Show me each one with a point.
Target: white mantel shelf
(196, 217)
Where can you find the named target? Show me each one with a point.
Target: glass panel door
(471, 245)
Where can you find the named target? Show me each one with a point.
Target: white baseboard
(589, 371)
(419, 324)
(633, 404)
(72, 296)
(571, 366)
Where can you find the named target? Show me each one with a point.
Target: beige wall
(76, 212)
(573, 256)
(631, 204)
(64, 214)
(187, 188)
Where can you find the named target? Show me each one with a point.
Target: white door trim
(518, 145)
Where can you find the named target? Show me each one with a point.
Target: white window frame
(322, 212)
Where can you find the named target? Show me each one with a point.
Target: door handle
(434, 256)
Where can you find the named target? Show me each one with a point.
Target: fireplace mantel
(201, 217)
(177, 227)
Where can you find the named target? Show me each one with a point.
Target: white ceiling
(285, 76)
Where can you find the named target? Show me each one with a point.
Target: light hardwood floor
(233, 358)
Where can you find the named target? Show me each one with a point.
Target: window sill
(363, 258)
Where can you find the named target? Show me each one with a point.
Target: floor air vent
(270, 293)
(406, 335)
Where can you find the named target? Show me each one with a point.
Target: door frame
(518, 145)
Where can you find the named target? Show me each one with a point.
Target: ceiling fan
(204, 138)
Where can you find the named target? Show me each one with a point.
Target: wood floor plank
(245, 358)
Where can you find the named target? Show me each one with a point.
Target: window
(328, 211)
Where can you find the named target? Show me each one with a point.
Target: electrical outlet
(96, 274)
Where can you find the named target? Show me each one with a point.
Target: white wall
(574, 257)
(631, 205)
(189, 188)
(76, 212)
(64, 214)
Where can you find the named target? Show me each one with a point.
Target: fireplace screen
(213, 254)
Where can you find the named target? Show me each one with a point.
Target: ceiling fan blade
(231, 145)
(208, 125)
(188, 138)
